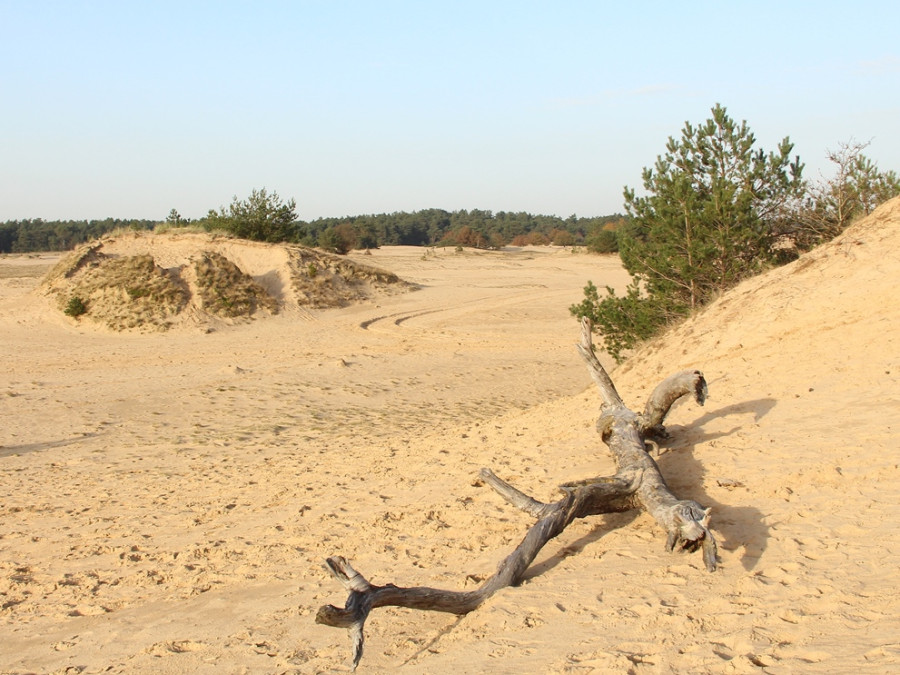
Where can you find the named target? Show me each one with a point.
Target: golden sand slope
(169, 499)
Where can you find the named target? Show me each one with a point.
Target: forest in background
(429, 227)
(31, 235)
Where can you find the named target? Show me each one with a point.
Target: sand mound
(150, 281)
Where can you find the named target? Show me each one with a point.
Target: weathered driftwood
(637, 484)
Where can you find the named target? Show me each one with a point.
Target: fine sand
(168, 498)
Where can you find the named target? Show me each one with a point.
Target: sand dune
(144, 281)
(169, 498)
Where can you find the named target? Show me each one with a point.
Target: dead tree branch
(637, 484)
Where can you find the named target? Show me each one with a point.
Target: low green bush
(75, 307)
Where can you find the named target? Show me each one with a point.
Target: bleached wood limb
(607, 389)
(683, 383)
(518, 499)
(604, 497)
(685, 521)
(636, 484)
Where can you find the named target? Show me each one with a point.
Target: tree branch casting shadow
(637, 484)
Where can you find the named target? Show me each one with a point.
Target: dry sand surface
(168, 499)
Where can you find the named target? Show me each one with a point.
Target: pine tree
(262, 217)
(707, 221)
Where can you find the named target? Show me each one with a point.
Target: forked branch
(636, 484)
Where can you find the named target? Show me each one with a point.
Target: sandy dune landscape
(169, 497)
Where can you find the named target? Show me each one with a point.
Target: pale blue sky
(129, 109)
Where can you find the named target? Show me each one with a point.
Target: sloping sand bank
(168, 499)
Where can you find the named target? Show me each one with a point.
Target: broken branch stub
(637, 484)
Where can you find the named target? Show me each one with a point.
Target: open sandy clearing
(125, 454)
(169, 499)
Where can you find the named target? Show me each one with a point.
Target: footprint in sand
(176, 647)
(63, 645)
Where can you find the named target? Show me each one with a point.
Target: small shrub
(135, 293)
(623, 321)
(312, 270)
(333, 240)
(75, 307)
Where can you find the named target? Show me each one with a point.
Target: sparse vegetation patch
(147, 281)
(75, 307)
(226, 291)
(321, 280)
(127, 292)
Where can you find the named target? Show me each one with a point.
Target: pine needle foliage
(708, 218)
(261, 217)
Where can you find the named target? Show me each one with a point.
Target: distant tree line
(25, 236)
(264, 216)
(472, 228)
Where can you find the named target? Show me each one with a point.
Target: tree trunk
(637, 484)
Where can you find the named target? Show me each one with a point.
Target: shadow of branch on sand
(611, 521)
(737, 527)
(9, 451)
(759, 407)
